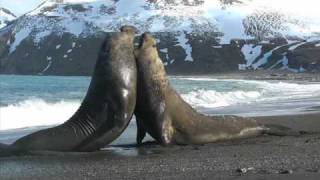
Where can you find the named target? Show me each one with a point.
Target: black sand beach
(266, 157)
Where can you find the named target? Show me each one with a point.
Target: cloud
(19, 7)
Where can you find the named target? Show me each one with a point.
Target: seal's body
(107, 108)
(162, 113)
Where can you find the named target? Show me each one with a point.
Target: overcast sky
(19, 7)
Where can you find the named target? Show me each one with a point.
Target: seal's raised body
(107, 108)
(162, 113)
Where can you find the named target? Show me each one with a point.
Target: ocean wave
(193, 78)
(36, 112)
(289, 87)
(213, 99)
(263, 92)
(41, 112)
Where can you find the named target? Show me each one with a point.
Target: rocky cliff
(62, 37)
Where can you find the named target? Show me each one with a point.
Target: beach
(264, 157)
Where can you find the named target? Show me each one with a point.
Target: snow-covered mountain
(5, 17)
(194, 36)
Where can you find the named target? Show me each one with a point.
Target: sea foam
(212, 99)
(35, 112)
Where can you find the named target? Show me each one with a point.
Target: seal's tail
(278, 130)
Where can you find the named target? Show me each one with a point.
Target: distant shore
(263, 75)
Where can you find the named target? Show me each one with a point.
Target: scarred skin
(162, 113)
(106, 110)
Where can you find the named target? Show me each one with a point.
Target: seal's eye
(154, 46)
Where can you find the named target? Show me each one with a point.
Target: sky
(19, 7)
(301, 7)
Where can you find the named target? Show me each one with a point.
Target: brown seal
(106, 110)
(161, 112)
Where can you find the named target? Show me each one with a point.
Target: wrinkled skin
(162, 113)
(106, 110)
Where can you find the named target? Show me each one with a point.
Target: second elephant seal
(162, 113)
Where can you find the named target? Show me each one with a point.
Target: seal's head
(129, 29)
(147, 41)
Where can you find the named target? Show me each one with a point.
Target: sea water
(30, 103)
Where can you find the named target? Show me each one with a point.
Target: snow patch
(242, 67)
(69, 51)
(291, 48)
(265, 57)
(165, 50)
(58, 46)
(39, 36)
(251, 52)
(183, 42)
(75, 27)
(19, 37)
(47, 67)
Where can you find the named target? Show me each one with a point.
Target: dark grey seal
(106, 109)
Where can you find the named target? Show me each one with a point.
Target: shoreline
(245, 75)
(260, 75)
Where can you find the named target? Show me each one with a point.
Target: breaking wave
(212, 99)
(35, 112)
(41, 112)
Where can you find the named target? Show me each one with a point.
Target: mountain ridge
(194, 36)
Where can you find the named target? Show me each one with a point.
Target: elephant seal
(106, 109)
(163, 114)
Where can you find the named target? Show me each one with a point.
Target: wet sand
(265, 157)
